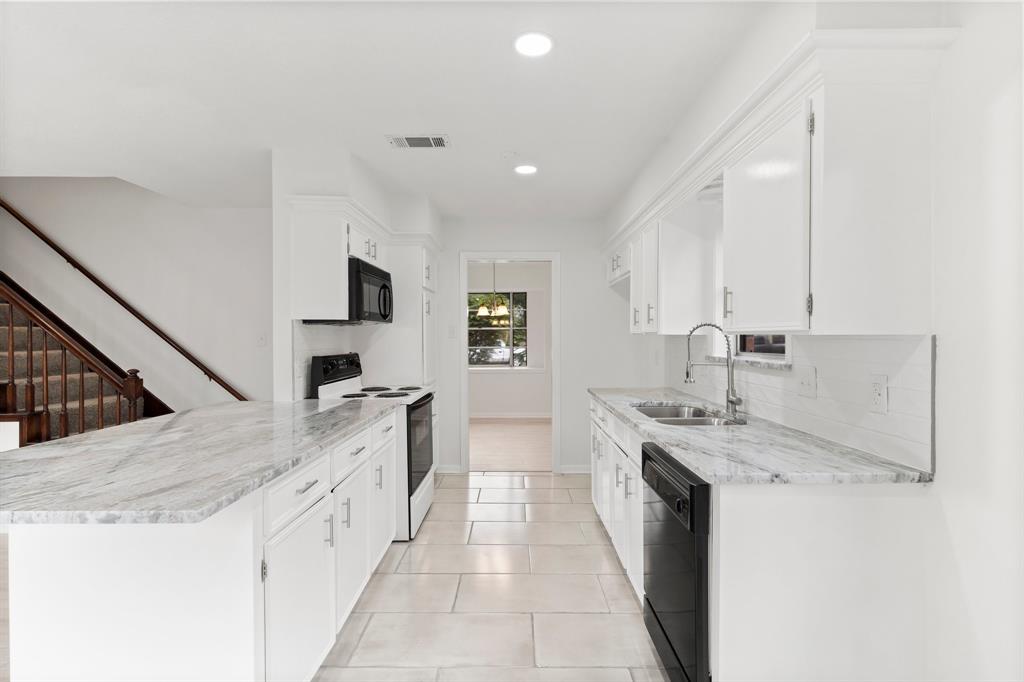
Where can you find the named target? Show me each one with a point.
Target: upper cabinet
(825, 223)
(325, 232)
(766, 231)
(618, 263)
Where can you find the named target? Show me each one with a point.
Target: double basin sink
(686, 415)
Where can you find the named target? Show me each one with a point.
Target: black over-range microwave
(370, 296)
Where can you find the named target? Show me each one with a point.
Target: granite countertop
(178, 468)
(760, 451)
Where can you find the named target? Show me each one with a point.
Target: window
(765, 344)
(497, 341)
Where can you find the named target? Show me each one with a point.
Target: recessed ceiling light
(533, 44)
(526, 169)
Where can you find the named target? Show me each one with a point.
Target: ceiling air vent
(419, 141)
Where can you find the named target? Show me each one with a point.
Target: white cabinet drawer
(294, 493)
(349, 454)
(384, 431)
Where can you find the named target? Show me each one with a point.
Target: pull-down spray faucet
(731, 399)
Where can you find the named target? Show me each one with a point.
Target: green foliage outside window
(497, 341)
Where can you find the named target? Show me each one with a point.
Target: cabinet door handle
(374, 251)
(348, 512)
(358, 450)
(305, 489)
(330, 530)
(428, 272)
(618, 481)
(366, 248)
(726, 302)
(650, 313)
(388, 428)
(626, 487)
(636, 316)
(380, 477)
(428, 306)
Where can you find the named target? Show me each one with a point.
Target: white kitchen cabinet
(632, 492)
(382, 501)
(649, 313)
(299, 595)
(599, 472)
(766, 231)
(636, 286)
(366, 244)
(351, 537)
(618, 263)
(429, 270)
(319, 263)
(429, 337)
(619, 527)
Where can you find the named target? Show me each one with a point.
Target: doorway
(509, 362)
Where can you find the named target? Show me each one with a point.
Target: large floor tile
(619, 594)
(477, 512)
(573, 559)
(561, 481)
(561, 512)
(389, 562)
(649, 675)
(580, 495)
(410, 593)
(466, 559)
(616, 639)
(533, 675)
(520, 473)
(481, 481)
(443, 533)
(497, 533)
(448, 639)
(530, 594)
(456, 494)
(376, 675)
(595, 533)
(549, 495)
(347, 640)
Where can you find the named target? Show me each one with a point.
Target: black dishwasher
(677, 526)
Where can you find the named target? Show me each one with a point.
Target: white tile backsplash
(842, 410)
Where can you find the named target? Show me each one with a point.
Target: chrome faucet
(731, 399)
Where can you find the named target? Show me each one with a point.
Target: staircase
(53, 383)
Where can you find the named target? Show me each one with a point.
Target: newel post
(132, 392)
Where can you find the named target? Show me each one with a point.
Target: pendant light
(496, 309)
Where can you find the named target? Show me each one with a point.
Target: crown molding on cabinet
(361, 215)
(895, 55)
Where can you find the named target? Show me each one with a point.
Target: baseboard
(448, 469)
(510, 417)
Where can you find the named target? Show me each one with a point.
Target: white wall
(843, 366)
(975, 542)
(202, 274)
(519, 392)
(596, 347)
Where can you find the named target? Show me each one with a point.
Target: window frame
(503, 367)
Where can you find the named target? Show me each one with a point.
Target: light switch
(879, 400)
(808, 378)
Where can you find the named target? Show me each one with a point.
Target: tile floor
(511, 579)
(510, 444)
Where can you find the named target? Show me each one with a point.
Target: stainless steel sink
(660, 412)
(698, 421)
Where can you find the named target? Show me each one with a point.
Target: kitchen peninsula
(198, 545)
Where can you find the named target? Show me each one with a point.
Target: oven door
(421, 440)
(676, 524)
(370, 296)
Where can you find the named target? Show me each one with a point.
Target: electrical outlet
(808, 378)
(879, 394)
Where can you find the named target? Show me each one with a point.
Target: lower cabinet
(299, 595)
(617, 490)
(351, 537)
(382, 501)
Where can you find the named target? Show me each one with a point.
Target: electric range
(340, 377)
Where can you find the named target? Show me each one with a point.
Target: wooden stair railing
(122, 389)
(167, 338)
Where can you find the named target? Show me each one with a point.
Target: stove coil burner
(375, 389)
(409, 388)
(356, 395)
(392, 394)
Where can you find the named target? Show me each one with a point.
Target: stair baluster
(81, 397)
(44, 428)
(30, 384)
(99, 405)
(63, 416)
(11, 392)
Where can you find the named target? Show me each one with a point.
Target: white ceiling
(190, 99)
